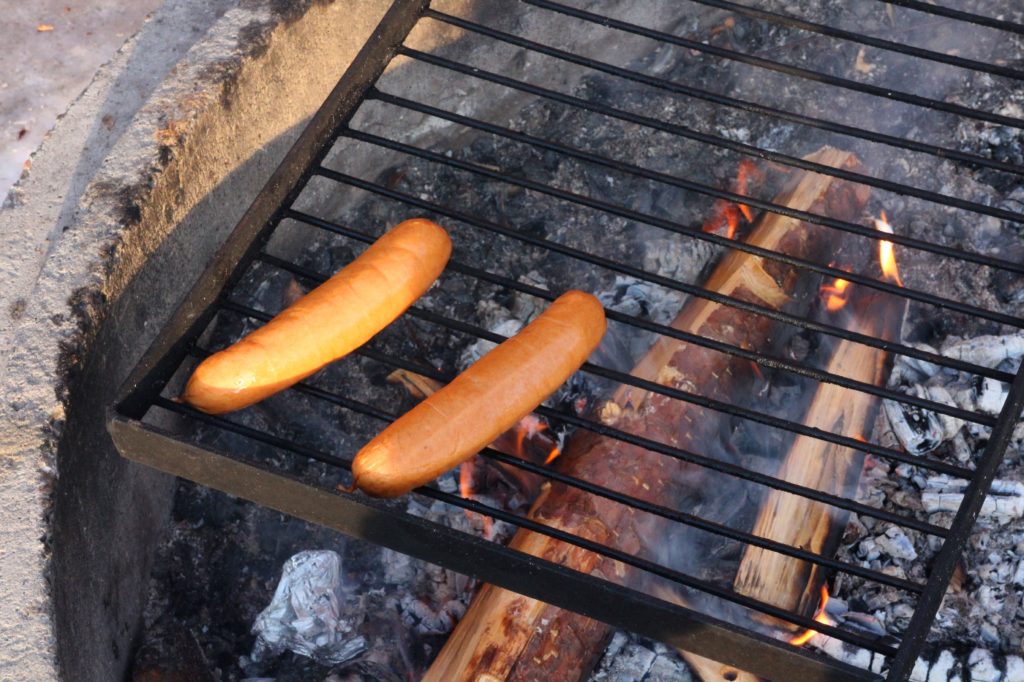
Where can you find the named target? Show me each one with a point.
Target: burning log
(790, 583)
(509, 636)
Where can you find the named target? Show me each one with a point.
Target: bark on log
(507, 636)
(791, 583)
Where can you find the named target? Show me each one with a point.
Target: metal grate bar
(677, 394)
(949, 12)
(684, 518)
(657, 446)
(678, 228)
(724, 100)
(771, 207)
(654, 446)
(963, 523)
(740, 147)
(780, 67)
(781, 19)
(524, 522)
(665, 330)
(526, 238)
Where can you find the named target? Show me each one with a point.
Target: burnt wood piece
(794, 584)
(507, 636)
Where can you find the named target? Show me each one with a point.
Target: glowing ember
(746, 170)
(466, 475)
(529, 426)
(726, 214)
(466, 478)
(836, 294)
(819, 616)
(886, 255)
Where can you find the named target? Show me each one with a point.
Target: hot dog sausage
(484, 401)
(326, 324)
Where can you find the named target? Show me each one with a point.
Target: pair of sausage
(351, 307)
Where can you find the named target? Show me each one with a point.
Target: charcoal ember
(896, 544)
(852, 655)
(986, 350)
(430, 619)
(942, 667)
(920, 431)
(982, 667)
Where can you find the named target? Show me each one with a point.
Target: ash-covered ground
(223, 557)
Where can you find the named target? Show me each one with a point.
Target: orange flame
(528, 427)
(886, 254)
(466, 475)
(746, 170)
(836, 294)
(819, 616)
(466, 478)
(727, 214)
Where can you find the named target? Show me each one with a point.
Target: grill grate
(140, 422)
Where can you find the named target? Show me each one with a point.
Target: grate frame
(363, 517)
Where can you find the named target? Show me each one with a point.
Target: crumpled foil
(304, 615)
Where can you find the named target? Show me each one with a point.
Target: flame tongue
(886, 254)
(836, 294)
(819, 616)
(728, 215)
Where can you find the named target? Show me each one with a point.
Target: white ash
(983, 607)
(979, 665)
(1004, 503)
(629, 658)
(922, 431)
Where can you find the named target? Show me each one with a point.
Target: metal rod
(616, 266)
(952, 548)
(670, 392)
(718, 193)
(656, 446)
(684, 518)
(523, 522)
(732, 102)
(678, 228)
(717, 140)
(755, 356)
(959, 15)
(780, 67)
(863, 39)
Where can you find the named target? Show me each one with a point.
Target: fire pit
(805, 235)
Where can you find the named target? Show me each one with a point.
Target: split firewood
(506, 636)
(794, 584)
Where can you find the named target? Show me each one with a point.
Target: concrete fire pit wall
(127, 200)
